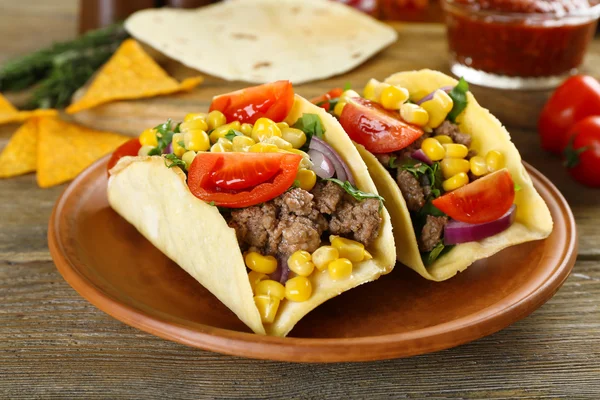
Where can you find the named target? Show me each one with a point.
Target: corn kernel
(305, 163)
(254, 278)
(324, 255)
(307, 179)
(279, 142)
(259, 263)
(294, 136)
(414, 114)
(455, 150)
(433, 149)
(215, 118)
(339, 107)
(188, 158)
(270, 287)
(178, 144)
(455, 182)
(494, 160)
(144, 150)
(348, 94)
(148, 138)
(350, 249)
(223, 130)
(246, 129)
(242, 143)
(373, 89)
(282, 125)
(453, 166)
(194, 124)
(193, 116)
(263, 148)
(438, 108)
(196, 140)
(368, 255)
(340, 268)
(478, 166)
(298, 288)
(443, 139)
(300, 262)
(264, 128)
(392, 97)
(267, 308)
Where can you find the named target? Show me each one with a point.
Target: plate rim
(366, 348)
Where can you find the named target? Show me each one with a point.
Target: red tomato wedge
(237, 180)
(129, 148)
(323, 100)
(379, 130)
(271, 100)
(480, 201)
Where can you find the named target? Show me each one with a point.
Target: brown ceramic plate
(109, 263)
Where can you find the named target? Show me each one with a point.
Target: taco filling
(453, 194)
(290, 197)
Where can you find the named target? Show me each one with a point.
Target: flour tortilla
(264, 40)
(156, 200)
(533, 220)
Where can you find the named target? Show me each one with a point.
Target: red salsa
(520, 38)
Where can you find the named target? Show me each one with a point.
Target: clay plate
(109, 263)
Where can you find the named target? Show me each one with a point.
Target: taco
(264, 201)
(453, 181)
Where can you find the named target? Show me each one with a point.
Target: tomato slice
(376, 128)
(238, 180)
(323, 100)
(271, 100)
(480, 201)
(129, 148)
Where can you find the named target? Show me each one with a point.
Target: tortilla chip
(130, 74)
(20, 154)
(8, 113)
(65, 149)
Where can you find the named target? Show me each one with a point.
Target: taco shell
(533, 220)
(157, 201)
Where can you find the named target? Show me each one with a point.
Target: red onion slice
(457, 232)
(421, 156)
(282, 272)
(322, 165)
(430, 95)
(168, 149)
(342, 170)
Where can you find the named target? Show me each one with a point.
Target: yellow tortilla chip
(8, 113)
(130, 74)
(20, 154)
(65, 149)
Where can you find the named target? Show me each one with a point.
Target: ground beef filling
(297, 220)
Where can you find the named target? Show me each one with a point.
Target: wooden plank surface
(54, 344)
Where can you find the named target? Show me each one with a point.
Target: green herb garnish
(232, 133)
(392, 163)
(439, 250)
(164, 136)
(357, 193)
(459, 98)
(517, 187)
(433, 173)
(347, 86)
(311, 125)
(175, 161)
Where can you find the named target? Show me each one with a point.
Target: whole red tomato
(578, 97)
(583, 154)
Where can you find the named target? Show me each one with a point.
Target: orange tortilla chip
(130, 74)
(20, 154)
(8, 113)
(65, 149)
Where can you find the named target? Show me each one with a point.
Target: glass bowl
(516, 50)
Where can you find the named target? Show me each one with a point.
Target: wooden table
(54, 344)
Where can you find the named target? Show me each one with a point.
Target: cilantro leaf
(347, 86)
(164, 137)
(430, 209)
(392, 162)
(175, 161)
(459, 97)
(311, 125)
(433, 173)
(357, 193)
(232, 133)
(438, 250)
(517, 187)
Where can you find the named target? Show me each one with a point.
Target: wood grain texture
(53, 344)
